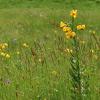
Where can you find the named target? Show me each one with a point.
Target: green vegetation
(35, 62)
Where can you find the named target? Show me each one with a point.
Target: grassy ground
(41, 71)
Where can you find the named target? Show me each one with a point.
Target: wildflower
(17, 52)
(2, 54)
(25, 45)
(73, 13)
(5, 44)
(2, 46)
(92, 51)
(70, 34)
(68, 50)
(40, 60)
(80, 27)
(66, 29)
(62, 24)
(71, 51)
(93, 32)
(7, 56)
(56, 90)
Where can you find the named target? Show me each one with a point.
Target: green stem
(76, 45)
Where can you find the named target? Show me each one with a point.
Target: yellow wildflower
(73, 13)
(3, 45)
(7, 56)
(70, 34)
(62, 24)
(92, 51)
(2, 54)
(66, 29)
(6, 44)
(25, 45)
(71, 51)
(93, 32)
(81, 27)
(68, 50)
(40, 60)
(17, 52)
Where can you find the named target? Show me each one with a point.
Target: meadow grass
(39, 62)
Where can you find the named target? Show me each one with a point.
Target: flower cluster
(6, 55)
(80, 27)
(68, 31)
(3, 46)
